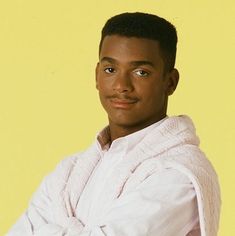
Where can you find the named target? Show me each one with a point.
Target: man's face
(132, 85)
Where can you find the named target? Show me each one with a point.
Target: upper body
(163, 184)
(153, 182)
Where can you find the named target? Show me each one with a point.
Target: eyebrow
(134, 63)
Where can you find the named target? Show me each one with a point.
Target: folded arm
(164, 204)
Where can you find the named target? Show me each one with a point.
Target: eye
(109, 70)
(141, 73)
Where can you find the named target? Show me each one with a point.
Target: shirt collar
(130, 141)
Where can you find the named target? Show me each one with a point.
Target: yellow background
(49, 107)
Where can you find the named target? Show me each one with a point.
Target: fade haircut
(148, 26)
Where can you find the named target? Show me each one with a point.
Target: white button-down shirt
(165, 203)
(162, 204)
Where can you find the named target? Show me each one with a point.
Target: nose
(123, 83)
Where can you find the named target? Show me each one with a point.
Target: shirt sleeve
(39, 218)
(164, 204)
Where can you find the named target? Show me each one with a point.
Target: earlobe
(173, 79)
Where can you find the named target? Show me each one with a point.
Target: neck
(118, 131)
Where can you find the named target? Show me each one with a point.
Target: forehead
(130, 48)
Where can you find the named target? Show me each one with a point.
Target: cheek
(103, 94)
(103, 85)
(153, 96)
(149, 91)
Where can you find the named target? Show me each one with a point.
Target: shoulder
(190, 165)
(57, 180)
(191, 161)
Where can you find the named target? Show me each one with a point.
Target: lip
(122, 103)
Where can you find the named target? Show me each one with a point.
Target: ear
(172, 81)
(96, 75)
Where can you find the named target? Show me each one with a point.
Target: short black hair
(144, 25)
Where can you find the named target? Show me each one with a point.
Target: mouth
(122, 103)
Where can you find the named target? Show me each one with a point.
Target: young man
(144, 174)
